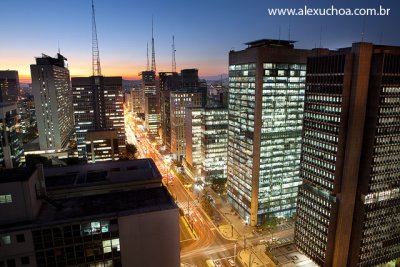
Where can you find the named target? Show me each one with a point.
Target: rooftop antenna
(95, 46)
(153, 53)
(289, 31)
(148, 64)
(173, 54)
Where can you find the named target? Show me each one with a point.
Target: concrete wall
(150, 239)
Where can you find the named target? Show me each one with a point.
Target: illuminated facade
(11, 150)
(266, 98)
(9, 86)
(179, 101)
(102, 146)
(347, 212)
(193, 136)
(98, 106)
(206, 143)
(152, 116)
(214, 143)
(53, 102)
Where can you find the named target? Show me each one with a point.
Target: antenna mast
(148, 64)
(153, 53)
(173, 54)
(95, 47)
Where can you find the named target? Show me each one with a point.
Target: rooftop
(100, 206)
(15, 175)
(102, 173)
(271, 42)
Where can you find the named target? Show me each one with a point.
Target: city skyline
(204, 32)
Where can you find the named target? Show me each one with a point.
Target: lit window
(6, 239)
(5, 199)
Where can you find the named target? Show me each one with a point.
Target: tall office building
(98, 106)
(152, 116)
(11, 149)
(53, 102)
(192, 93)
(348, 205)
(169, 81)
(266, 99)
(206, 133)
(9, 86)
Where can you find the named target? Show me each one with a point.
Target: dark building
(348, 205)
(266, 99)
(103, 214)
(9, 86)
(169, 81)
(98, 106)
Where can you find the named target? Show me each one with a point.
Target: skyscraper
(266, 98)
(53, 101)
(348, 205)
(191, 94)
(206, 133)
(98, 106)
(169, 81)
(152, 116)
(9, 86)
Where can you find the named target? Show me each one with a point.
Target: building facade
(169, 81)
(9, 86)
(266, 99)
(347, 209)
(179, 101)
(151, 110)
(12, 152)
(53, 102)
(214, 143)
(98, 106)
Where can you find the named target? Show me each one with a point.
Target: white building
(53, 101)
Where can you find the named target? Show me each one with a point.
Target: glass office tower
(266, 99)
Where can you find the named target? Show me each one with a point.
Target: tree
(131, 151)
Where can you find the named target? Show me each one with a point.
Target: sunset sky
(204, 31)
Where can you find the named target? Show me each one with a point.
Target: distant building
(26, 111)
(193, 135)
(137, 101)
(106, 214)
(266, 100)
(206, 143)
(98, 106)
(348, 205)
(102, 146)
(12, 152)
(151, 111)
(169, 81)
(53, 102)
(9, 86)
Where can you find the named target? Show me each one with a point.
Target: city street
(202, 244)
